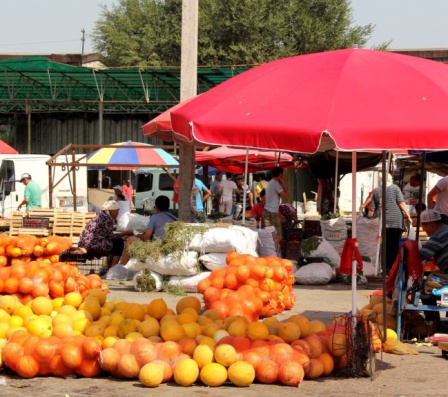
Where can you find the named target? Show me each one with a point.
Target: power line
(38, 42)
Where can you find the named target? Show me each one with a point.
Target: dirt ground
(395, 376)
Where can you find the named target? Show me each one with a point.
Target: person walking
(33, 193)
(214, 188)
(227, 191)
(127, 189)
(276, 190)
(239, 199)
(396, 215)
(199, 195)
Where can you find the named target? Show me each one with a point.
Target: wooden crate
(71, 224)
(15, 223)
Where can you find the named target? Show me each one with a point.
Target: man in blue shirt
(156, 226)
(199, 195)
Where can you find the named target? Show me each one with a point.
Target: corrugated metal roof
(47, 87)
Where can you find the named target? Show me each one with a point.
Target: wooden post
(188, 89)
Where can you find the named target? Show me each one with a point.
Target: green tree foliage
(231, 32)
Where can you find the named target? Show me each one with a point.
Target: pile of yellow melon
(155, 344)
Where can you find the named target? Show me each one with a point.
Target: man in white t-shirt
(227, 191)
(438, 199)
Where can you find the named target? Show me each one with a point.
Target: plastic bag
(119, 272)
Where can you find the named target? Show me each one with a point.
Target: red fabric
(234, 160)
(176, 189)
(362, 99)
(412, 261)
(350, 253)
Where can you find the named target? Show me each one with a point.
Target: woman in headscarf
(98, 238)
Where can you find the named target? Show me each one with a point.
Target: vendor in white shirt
(411, 190)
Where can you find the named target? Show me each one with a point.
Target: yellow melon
(213, 374)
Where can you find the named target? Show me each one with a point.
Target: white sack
(188, 284)
(267, 244)
(156, 277)
(135, 265)
(137, 222)
(314, 274)
(326, 250)
(171, 265)
(219, 239)
(213, 260)
(366, 234)
(335, 232)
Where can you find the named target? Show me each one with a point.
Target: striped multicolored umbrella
(130, 156)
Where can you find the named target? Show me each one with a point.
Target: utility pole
(188, 89)
(83, 39)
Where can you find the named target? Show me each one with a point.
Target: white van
(12, 190)
(148, 185)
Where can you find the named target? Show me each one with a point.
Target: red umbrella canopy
(160, 127)
(234, 160)
(6, 149)
(362, 99)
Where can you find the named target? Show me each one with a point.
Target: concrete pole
(188, 89)
(100, 137)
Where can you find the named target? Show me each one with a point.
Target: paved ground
(399, 376)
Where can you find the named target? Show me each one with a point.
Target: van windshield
(7, 176)
(147, 182)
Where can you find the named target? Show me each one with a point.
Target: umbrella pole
(420, 195)
(383, 233)
(246, 168)
(336, 172)
(354, 262)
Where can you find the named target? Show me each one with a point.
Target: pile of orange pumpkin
(250, 286)
(27, 247)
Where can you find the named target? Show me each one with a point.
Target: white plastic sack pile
(188, 284)
(217, 239)
(213, 260)
(335, 232)
(314, 274)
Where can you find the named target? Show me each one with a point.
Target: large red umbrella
(234, 160)
(160, 127)
(354, 99)
(362, 99)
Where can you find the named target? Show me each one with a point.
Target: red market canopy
(234, 160)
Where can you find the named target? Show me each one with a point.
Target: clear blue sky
(54, 26)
